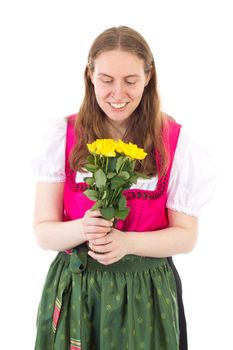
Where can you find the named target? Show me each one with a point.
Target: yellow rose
(109, 147)
(120, 145)
(92, 147)
(133, 151)
(106, 147)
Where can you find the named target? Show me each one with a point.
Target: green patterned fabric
(131, 304)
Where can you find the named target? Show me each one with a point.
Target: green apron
(130, 304)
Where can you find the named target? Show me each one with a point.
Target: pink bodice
(147, 208)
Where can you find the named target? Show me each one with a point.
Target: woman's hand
(110, 248)
(94, 226)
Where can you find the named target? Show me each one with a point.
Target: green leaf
(104, 194)
(124, 174)
(121, 214)
(91, 194)
(100, 178)
(133, 179)
(119, 163)
(107, 213)
(133, 163)
(97, 205)
(110, 175)
(117, 182)
(90, 159)
(91, 167)
(122, 203)
(112, 164)
(89, 180)
(127, 166)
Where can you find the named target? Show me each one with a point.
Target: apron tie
(72, 279)
(78, 259)
(78, 263)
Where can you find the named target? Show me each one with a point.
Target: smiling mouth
(118, 105)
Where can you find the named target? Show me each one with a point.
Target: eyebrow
(128, 76)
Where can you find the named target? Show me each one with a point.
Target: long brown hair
(146, 122)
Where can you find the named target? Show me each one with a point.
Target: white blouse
(191, 183)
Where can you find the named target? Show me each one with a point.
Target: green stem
(116, 192)
(106, 168)
(111, 198)
(122, 165)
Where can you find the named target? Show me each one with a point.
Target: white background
(44, 46)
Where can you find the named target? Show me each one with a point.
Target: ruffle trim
(50, 179)
(187, 211)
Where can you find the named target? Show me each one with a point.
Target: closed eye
(106, 81)
(131, 82)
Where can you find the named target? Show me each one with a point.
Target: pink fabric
(147, 208)
(56, 315)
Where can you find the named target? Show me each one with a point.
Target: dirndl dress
(135, 303)
(131, 304)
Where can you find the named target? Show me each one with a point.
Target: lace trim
(81, 186)
(148, 194)
(130, 194)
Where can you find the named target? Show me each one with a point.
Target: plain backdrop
(44, 46)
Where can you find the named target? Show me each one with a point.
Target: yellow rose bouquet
(112, 165)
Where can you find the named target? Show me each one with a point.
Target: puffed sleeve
(192, 179)
(49, 164)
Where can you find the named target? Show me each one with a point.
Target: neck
(116, 130)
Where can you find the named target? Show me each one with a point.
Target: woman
(117, 287)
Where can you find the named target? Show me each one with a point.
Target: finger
(100, 248)
(96, 229)
(94, 213)
(90, 236)
(97, 222)
(103, 258)
(108, 262)
(101, 240)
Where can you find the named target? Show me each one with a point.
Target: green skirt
(131, 304)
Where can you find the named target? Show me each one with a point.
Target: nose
(118, 91)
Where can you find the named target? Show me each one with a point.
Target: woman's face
(119, 81)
